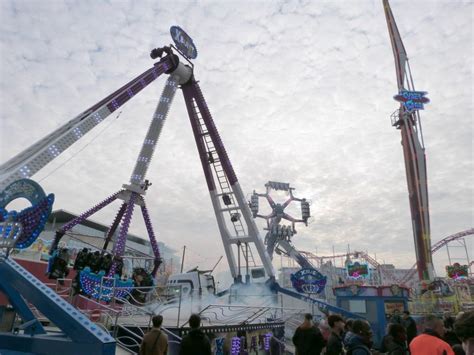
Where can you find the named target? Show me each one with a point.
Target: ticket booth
(376, 303)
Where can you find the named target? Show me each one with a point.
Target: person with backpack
(308, 339)
(195, 342)
(155, 342)
(361, 341)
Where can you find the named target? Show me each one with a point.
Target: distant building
(90, 234)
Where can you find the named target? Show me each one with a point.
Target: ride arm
(398, 48)
(34, 158)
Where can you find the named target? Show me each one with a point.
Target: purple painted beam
(151, 235)
(114, 226)
(119, 245)
(80, 219)
(212, 129)
(188, 93)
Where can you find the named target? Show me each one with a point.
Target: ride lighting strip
(232, 328)
(38, 155)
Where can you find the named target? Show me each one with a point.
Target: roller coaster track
(385, 271)
(438, 246)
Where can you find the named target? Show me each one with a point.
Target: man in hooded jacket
(195, 342)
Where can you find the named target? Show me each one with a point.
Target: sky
(301, 92)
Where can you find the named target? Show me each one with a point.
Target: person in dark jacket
(335, 346)
(448, 321)
(464, 328)
(347, 332)
(308, 339)
(195, 342)
(395, 318)
(361, 342)
(81, 259)
(410, 326)
(386, 340)
(398, 336)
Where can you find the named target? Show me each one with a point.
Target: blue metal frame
(317, 302)
(80, 335)
(379, 326)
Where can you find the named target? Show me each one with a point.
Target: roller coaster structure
(388, 275)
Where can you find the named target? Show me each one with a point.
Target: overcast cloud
(301, 92)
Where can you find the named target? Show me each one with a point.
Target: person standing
(361, 342)
(347, 332)
(308, 339)
(398, 343)
(335, 345)
(431, 341)
(395, 318)
(410, 326)
(195, 342)
(464, 328)
(155, 342)
(448, 321)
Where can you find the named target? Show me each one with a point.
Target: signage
(308, 280)
(392, 307)
(183, 42)
(457, 271)
(412, 100)
(357, 271)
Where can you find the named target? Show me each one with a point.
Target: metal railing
(243, 314)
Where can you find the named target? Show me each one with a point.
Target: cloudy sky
(301, 92)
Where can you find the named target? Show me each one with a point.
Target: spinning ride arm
(35, 157)
(290, 251)
(414, 154)
(280, 235)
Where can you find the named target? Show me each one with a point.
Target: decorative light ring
(32, 219)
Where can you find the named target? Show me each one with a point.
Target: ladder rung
(225, 193)
(230, 209)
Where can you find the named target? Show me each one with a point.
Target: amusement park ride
(236, 224)
(234, 215)
(279, 236)
(407, 120)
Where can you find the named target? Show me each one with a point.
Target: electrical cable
(80, 150)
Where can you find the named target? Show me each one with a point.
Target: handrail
(260, 311)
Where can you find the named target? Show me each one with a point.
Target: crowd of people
(447, 336)
(345, 337)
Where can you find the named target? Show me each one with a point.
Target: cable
(84, 147)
